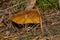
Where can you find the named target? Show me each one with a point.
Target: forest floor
(51, 25)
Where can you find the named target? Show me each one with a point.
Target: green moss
(47, 4)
